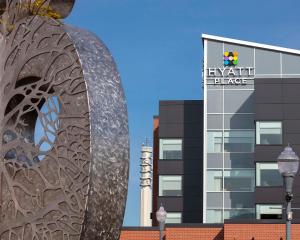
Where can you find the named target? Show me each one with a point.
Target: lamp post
(288, 165)
(161, 216)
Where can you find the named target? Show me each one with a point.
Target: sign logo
(231, 58)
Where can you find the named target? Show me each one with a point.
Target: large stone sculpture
(64, 133)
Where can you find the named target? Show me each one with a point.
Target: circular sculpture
(64, 131)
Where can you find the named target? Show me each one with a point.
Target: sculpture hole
(46, 126)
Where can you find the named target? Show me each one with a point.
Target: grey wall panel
(267, 153)
(291, 92)
(267, 62)
(171, 113)
(171, 130)
(171, 204)
(291, 126)
(192, 216)
(239, 121)
(193, 166)
(214, 121)
(291, 111)
(267, 195)
(166, 167)
(192, 204)
(214, 160)
(191, 153)
(268, 93)
(269, 111)
(193, 130)
(214, 200)
(215, 101)
(292, 138)
(238, 101)
(290, 64)
(193, 142)
(215, 57)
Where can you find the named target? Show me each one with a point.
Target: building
(216, 159)
(178, 161)
(251, 111)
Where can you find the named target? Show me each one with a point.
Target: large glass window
(268, 133)
(238, 141)
(239, 213)
(170, 185)
(267, 174)
(173, 217)
(239, 180)
(170, 149)
(233, 200)
(269, 211)
(214, 141)
(214, 180)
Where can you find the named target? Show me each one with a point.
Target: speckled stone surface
(109, 137)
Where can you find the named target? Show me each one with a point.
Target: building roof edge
(250, 44)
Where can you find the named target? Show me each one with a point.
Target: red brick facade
(203, 232)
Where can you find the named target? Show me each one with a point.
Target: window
(170, 185)
(214, 216)
(214, 142)
(170, 149)
(239, 180)
(239, 213)
(173, 217)
(267, 174)
(268, 133)
(268, 211)
(214, 180)
(238, 141)
(238, 200)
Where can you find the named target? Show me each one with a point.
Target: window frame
(170, 175)
(160, 151)
(236, 131)
(268, 121)
(269, 204)
(175, 213)
(256, 175)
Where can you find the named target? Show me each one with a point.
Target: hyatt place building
(251, 111)
(216, 159)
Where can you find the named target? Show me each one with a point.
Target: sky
(158, 50)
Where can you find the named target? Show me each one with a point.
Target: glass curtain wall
(230, 174)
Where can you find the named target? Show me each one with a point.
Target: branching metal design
(68, 182)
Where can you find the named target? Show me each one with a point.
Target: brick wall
(232, 231)
(194, 233)
(142, 234)
(259, 232)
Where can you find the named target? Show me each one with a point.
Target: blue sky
(157, 47)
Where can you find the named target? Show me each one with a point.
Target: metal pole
(161, 229)
(288, 218)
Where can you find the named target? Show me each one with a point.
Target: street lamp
(161, 216)
(288, 165)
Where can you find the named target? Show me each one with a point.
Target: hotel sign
(230, 74)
